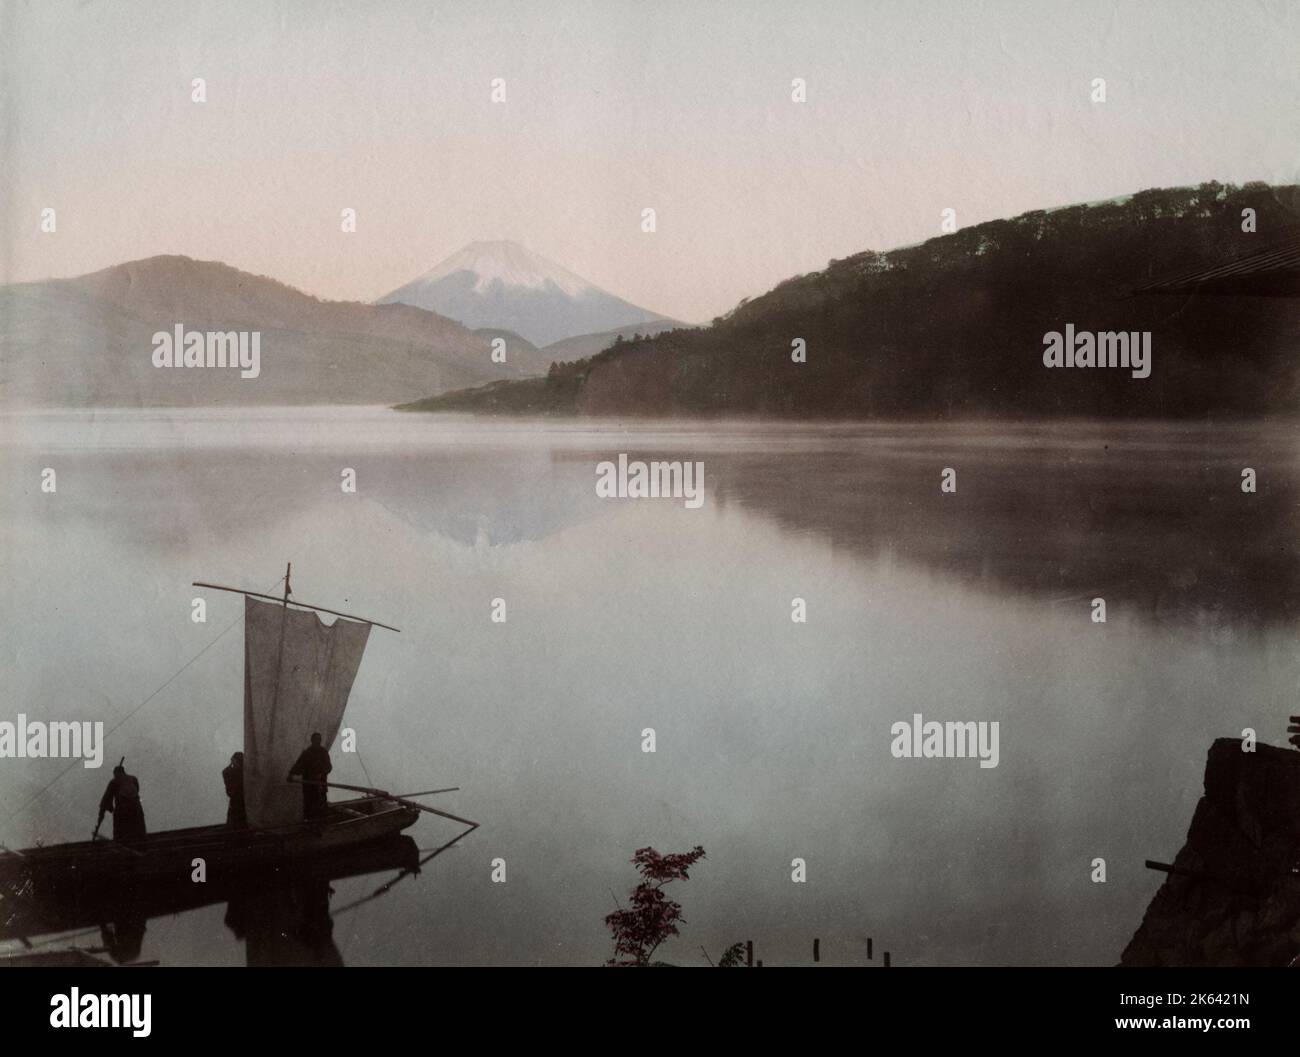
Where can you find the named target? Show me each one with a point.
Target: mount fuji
(503, 285)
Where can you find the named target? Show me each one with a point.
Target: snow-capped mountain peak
(510, 264)
(502, 285)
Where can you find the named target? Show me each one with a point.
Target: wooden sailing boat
(298, 673)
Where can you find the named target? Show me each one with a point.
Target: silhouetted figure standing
(233, 776)
(122, 800)
(313, 766)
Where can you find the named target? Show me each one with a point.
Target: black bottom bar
(366, 1006)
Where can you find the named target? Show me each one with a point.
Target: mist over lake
(773, 737)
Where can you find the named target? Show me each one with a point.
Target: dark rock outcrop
(1234, 895)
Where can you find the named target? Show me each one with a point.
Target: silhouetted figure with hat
(122, 800)
(313, 766)
(233, 776)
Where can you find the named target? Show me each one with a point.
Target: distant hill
(955, 326)
(503, 285)
(86, 342)
(520, 352)
(534, 361)
(585, 345)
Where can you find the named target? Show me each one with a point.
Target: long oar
(372, 792)
(383, 794)
(401, 796)
(430, 792)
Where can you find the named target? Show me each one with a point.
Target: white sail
(297, 676)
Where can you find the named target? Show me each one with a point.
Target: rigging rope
(175, 675)
(357, 753)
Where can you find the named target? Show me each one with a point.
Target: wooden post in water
(749, 954)
(886, 959)
(869, 942)
(817, 950)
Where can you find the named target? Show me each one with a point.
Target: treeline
(954, 327)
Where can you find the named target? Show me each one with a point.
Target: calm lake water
(773, 738)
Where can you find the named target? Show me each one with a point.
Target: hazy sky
(611, 107)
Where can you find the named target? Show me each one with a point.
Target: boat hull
(226, 853)
(35, 910)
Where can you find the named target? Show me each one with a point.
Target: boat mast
(279, 657)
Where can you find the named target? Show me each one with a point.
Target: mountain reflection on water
(1153, 512)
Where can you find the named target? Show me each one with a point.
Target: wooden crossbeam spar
(294, 602)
